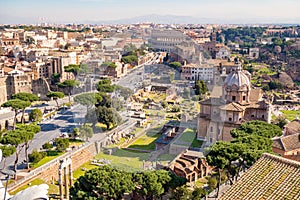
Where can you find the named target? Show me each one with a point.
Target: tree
(86, 132)
(7, 150)
(47, 146)
(102, 183)
(175, 65)
(181, 193)
(280, 121)
(30, 40)
(87, 99)
(36, 115)
(104, 85)
(123, 91)
(108, 116)
(222, 155)
(55, 77)
(103, 100)
(198, 193)
(257, 127)
(16, 105)
(130, 59)
(72, 68)
(36, 156)
(153, 183)
(84, 69)
(15, 139)
(28, 130)
(55, 96)
(61, 144)
(69, 84)
(200, 87)
(24, 96)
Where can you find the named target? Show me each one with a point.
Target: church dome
(237, 80)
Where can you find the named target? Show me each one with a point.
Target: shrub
(61, 144)
(36, 156)
(47, 146)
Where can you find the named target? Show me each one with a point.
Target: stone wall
(41, 87)
(49, 172)
(3, 91)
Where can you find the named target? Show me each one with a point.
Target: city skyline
(101, 11)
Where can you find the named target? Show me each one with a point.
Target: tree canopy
(104, 85)
(109, 183)
(25, 96)
(108, 116)
(55, 96)
(36, 115)
(72, 68)
(200, 87)
(257, 127)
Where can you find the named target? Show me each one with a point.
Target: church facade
(238, 103)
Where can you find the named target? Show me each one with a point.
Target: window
(233, 98)
(252, 116)
(263, 116)
(244, 98)
(230, 119)
(211, 129)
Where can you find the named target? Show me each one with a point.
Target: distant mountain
(159, 19)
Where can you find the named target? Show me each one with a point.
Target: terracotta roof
(255, 95)
(294, 125)
(287, 143)
(213, 101)
(258, 105)
(232, 107)
(271, 177)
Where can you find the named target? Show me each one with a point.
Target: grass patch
(125, 159)
(290, 114)
(79, 172)
(146, 142)
(51, 155)
(186, 138)
(196, 143)
(53, 189)
(166, 157)
(122, 141)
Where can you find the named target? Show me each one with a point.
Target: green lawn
(291, 114)
(186, 138)
(53, 189)
(166, 157)
(79, 172)
(146, 142)
(125, 159)
(197, 143)
(45, 160)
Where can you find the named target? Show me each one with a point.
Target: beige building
(237, 104)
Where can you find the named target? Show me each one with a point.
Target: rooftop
(271, 177)
(287, 143)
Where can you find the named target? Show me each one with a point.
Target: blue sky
(69, 11)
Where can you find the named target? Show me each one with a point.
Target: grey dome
(237, 79)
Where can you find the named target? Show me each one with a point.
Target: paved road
(65, 120)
